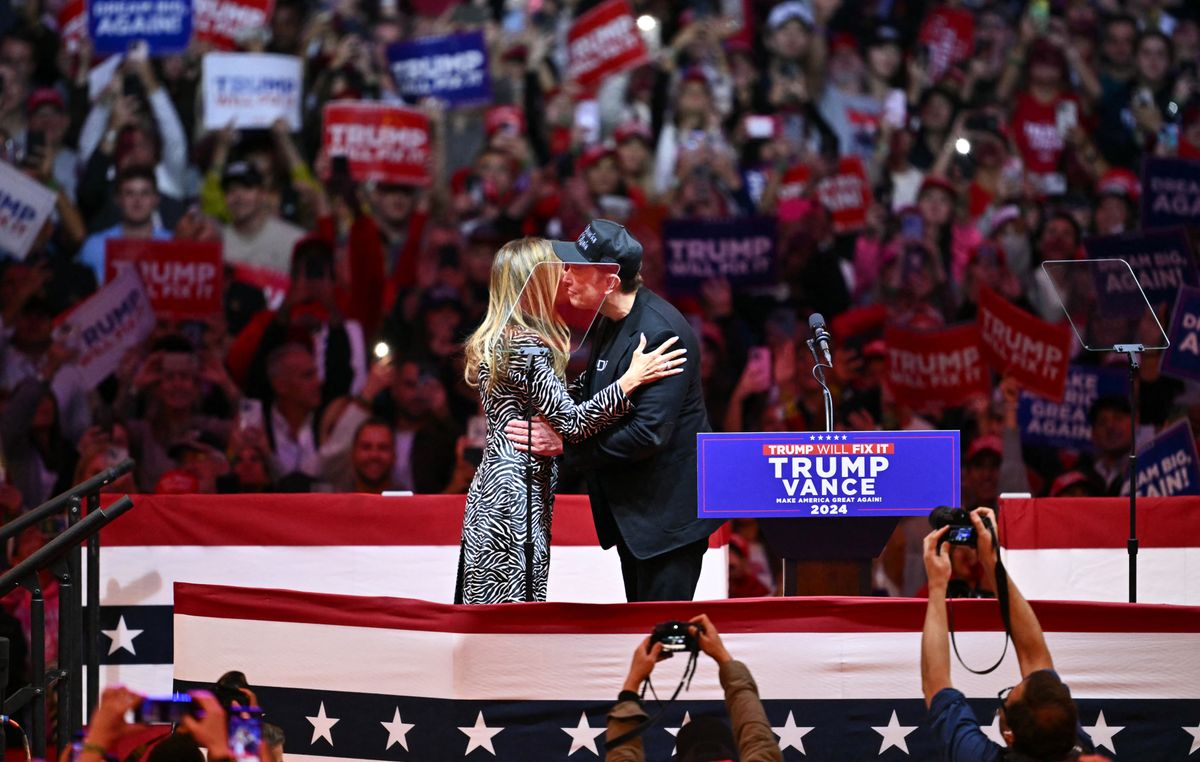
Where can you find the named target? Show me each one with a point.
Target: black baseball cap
(603, 241)
(241, 173)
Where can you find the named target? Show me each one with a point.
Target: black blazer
(641, 473)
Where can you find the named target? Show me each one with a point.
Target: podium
(829, 556)
(827, 502)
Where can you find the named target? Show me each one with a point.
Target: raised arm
(1027, 636)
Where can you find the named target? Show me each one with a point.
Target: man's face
(297, 381)
(1110, 432)
(1112, 215)
(982, 477)
(49, 120)
(789, 41)
(1058, 240)
(495, 173)
(137, 201)
(393, 203)
(587, 287)
(374, 455)
(1118, 43)
(243, 201)
(603, 178)
(1153, 59)
(177, 389)
(407, 391)
(19, 55)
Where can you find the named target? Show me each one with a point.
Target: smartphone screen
(245, 734)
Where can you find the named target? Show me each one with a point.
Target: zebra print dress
(492, 555)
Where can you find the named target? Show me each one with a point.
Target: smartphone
(759, 357)
(587, 121)
(760, 127)
(245, 734)
(1066, 117)
(138, 51)
(131, 84)
(912, 227)
(163, 710)
(895, 109)
(250, 414)
(35, 142)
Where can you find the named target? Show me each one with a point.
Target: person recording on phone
(209, 729)
(641, 473)
(517, 359)
(704, 738)
(1038, 718)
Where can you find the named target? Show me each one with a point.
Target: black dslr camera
(962, 531)
(677, 636)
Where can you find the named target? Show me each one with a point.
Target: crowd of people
(994, 135)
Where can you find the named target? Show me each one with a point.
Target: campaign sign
(793, 200)
(382, 143)
(274, 285)
(935, 367)
(1065, 424)
(739, 249)
(1170, 192)
(251, 90)
(850, 473)
(847, 195)
(948, 36)
(182, 278)
(1161, 259)
(72, 24)
(1032, 351)
(24, 206)
(1168, 464)
(602, 42)
(453, 68)
(220, 22)
(164, 25)
(1182, 358)
(113, 320)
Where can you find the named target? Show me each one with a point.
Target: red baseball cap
(987, 443)
(1065, 481)
(632, 129)
(504, 117)
(1119, 182)
(45, 96)
(593, 154)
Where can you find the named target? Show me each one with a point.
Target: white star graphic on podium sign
(791, 736)
(993, 731)
(122, 637)
(894, 734)
(687, 717)
(479, 736)
(322, 726)
(1102, 733)
(1195, 733)
(812, 437)
(583, 736)
(397, 731)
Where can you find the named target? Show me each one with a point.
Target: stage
(335, 606)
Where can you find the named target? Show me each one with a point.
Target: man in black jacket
(641, 473)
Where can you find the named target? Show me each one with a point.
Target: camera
(962, 531)
(677, 636)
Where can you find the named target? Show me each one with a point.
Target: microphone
(816, 322)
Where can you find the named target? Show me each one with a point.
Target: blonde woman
(492, 555)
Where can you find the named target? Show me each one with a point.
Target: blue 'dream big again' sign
(165, 25)
(861, 473)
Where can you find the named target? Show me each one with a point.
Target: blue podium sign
(843, 473)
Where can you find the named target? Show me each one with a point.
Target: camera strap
(1001, 597)
(684, 682)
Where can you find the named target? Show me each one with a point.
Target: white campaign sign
(251, 90)
(24, 206)
(112, 320)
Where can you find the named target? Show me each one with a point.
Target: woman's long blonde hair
(508, 311)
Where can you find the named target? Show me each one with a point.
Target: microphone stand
(818, 372)
(1131, 545)
(530, 353)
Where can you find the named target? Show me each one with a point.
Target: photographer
(1038, 718)
(705, 738)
